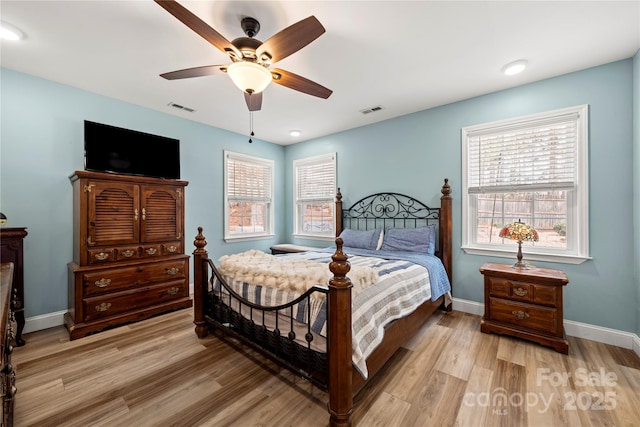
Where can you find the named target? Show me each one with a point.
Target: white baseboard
(44, 321)
(575, 329)
(467, 306)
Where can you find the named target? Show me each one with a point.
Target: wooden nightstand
(525, 303)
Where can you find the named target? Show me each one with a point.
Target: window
(314, 196)
(248, 194)
(533, 169)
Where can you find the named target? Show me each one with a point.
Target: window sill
(533, 256)
(231, 239)
(314, 237)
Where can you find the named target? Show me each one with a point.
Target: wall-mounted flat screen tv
(116, 150)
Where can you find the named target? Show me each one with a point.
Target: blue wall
(42, 144)
(412, 154)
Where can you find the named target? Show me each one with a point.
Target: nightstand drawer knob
(520, 315)
(520, 292)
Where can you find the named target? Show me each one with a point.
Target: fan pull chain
(251, 126)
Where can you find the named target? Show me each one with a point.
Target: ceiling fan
(250, 57)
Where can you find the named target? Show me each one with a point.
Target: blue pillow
(421, 239)
(361, 239)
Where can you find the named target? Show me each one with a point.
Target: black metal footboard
(285, 333)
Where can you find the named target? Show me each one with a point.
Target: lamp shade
(3, 219)
(519, 231)
(249, 76)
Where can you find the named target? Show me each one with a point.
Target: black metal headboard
(388, 210)
(396, 210)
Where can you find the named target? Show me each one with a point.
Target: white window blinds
(248, 178)
(537, 154)
(315, 178)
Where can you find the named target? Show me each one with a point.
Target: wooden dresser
(7, 336)
(525, 303)
(11, 250)
(129, 262)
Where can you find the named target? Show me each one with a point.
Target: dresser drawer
(118, 279)
(171, 248)
(101, 255)
(125, 253)
(526, 316)
(111, 304)
(151, 251)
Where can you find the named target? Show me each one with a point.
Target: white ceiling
(405, 56)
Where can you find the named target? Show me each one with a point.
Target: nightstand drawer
(521, 291)
(524, 315)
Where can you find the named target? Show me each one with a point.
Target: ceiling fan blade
(299, 83)
(203, 29)
(207, 70)
(291, 39)
(254, 101)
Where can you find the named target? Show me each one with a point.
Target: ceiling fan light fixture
(249, 76)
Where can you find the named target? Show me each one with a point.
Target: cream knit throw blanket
(258, 268)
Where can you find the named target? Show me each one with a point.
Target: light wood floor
(158, 373)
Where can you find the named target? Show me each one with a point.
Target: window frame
(577, 200)
(269, 221)
(297, 221)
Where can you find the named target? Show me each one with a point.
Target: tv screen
(117, 150)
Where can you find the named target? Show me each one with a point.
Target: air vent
(371, 110)
(181, 107)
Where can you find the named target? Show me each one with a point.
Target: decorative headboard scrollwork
(388, 210)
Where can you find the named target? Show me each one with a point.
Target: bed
(316, 330)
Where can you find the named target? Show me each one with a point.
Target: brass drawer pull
(172, 249)
(101, 256)
(151, 251)
(103, 283)
(172, 271)
(128, 253)
(103, 307)
(520, 292)
(520, 315)
(173, 291)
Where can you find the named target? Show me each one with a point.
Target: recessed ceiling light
(9, 32)
(295, 133)
(514, 67)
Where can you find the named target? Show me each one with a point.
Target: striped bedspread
(403, 286)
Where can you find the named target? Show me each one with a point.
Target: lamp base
(522, 265)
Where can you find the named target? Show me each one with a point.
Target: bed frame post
(200, 283)
(445, 227)
(338, 212)
(340, 344)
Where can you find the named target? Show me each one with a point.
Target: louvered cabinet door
(113, 214)
(161, 210)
